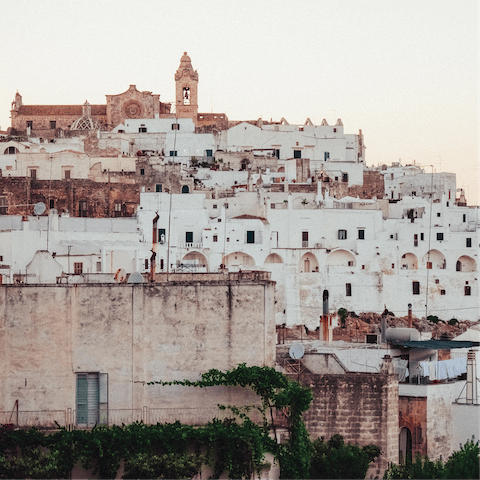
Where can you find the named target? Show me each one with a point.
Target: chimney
(410, 322)
(471, 378)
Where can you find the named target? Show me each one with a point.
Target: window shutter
(92, 399)
(82, 390)
(103, 398)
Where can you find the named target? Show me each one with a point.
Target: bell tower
(186, 89)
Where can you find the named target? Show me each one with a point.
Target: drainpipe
(154, 246)
(471, 378)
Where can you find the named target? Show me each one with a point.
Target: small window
(363, 267)
(226, 205)
(276, 153)
(439, 236)
(297, 154)
(334, 130)
(1, 258)
(422, 237)
(272, 206)
(429, 265)
(326, 155)
(342, 234)
(175, 126)
(158, 188)
(215, 206)
(82, 208)
(215, 238)
(146, 264)
(142, 171)
(52, 203)
(142, 130)
(414, 194)
(209, 153)
(348, 289)
(99, 267)
(361, 234)
(118, 207)
(393, 265)
(162, 266)
(173, 153)
(250, 236)
(161, 235)
(391, 176)
(467, 290)
(53, 124)
(442, 292)
(3, 205)
(188, 237)
(350, 263)
(33, 173)
(437, 281)
(416, 288)
(344, 177)
(67, 174)
(336, 179)
(439, 214)
(415, 240)
(77, 268)
(468, 242)
(228, 239)
(29, 123)
(464, 217)
(304, 239)
(185, 189)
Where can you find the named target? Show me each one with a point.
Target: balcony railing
(190, 245)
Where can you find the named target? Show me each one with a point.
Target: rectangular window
(146, 264)
(439, 236)
(173, 153)
(188, 237)
(161, 235)
(272, 206)
(348, 288)
(305, 239)
(29, 123)
(437, 281)
(344, 177)
(78, 268)
(142, 130)
(439, 214)
(429, 265)
(175, 126)
(99, 267)
(3, 205)
(326, 156)
(142, 171)
(415, 240)
(467, 290)
(209, 153)
(215, 238)
(215, 206)
(361, 234)
(250, 236)
(468, 242)
(276, 153)
(342, 234)
(416, 288)
(33, 174)
(226, 205)
(92, 399)
(82, 208)
(118, 209)
(422, 237)
(53, 124)
(393, 265)
(297, 154)
(464, 217)
(67, 174)
(52, 203)
(161, 264)
(158, 188)
(350, 263)
(442, 292)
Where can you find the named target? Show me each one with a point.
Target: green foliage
(433, 318)
(461, 464)
(336, 459)
(453, 321)
(343, 314)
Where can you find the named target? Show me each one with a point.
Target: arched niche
(466, 264)
(341, 258)
(185, 189)
(238, 259)
(274, 258)
(196, 259)
(10, 151)
(308, 263)
(409, 261)
(434, 260)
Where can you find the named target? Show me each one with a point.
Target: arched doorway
(409, 261)
(405, 445)
(185, 189)
(466, 264)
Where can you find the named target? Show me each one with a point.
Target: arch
(196, 260)
(405, 445)
(308, 263)
(435, 259)
(466, 264)
(409, 261)
(238, 259)
(341, 258)
(185, 189)
(244, 163)
(10, 151)
(274, 258)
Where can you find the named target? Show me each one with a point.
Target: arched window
(185, 189)
(10, 151)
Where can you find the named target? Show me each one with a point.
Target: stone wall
(136, 334)
(363, 407)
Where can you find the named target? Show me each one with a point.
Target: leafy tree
(343, 314)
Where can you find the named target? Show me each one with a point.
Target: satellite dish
(39, 208)
(120, 275)
(296, 351)
(135, 277)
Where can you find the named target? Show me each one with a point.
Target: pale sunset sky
(405, 73)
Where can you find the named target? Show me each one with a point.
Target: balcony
(190, 245)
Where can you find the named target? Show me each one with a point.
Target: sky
(405, 73)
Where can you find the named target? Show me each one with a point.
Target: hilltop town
(193, 241)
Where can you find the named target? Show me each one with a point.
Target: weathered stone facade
(363, 407)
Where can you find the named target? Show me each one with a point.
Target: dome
(85, 122)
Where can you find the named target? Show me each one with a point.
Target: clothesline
(444, 368)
